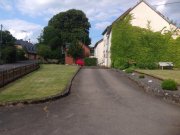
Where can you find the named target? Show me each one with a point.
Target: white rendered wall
(143, 13)
(99, 53)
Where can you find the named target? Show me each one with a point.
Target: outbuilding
(166, 65)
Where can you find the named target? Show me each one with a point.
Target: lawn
(164, 74)
(49, 80)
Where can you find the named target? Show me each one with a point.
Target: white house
(99, 52)
(142, 13)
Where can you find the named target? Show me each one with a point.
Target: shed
(166, 65)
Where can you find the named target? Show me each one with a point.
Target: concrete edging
(169, 96)
(65, 93)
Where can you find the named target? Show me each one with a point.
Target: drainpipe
(1, 43)
(108, 51)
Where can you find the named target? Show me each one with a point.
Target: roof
(98, 43)
(84, 45)
(165, 64)
(108, 29)
(27, 46)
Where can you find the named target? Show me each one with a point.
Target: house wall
(86, 51)
(31, 56)
(143, 13)
(99, 53)
(108, 50)
(69, 60)
(18, 46)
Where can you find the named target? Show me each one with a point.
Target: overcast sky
(25, 19)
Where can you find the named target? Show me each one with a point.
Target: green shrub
(129, 70)
(120, 63)
(20, 55)
(152, 66)
(147, 66)
(122, 68)
(169, 85)
(9, 54)
(141, 76)
(90, 62)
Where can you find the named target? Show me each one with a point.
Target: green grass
(164, 74)
(49, 80)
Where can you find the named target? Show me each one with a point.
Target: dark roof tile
(29, 47)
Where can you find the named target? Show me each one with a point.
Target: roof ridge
(158, 12)
(98, 42)
(130, 9)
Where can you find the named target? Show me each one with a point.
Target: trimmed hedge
(169, 85)
(90, 61)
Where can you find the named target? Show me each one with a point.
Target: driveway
(102, 102)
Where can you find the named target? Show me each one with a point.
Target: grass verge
(163, 74)
(49, 80)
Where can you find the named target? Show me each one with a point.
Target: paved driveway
(102, 102)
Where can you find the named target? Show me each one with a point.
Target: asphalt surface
(102, 102)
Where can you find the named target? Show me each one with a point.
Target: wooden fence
(8, 76)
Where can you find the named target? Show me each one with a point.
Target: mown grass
(49, 80)
(164, 74)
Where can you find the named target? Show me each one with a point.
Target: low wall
(10, 75)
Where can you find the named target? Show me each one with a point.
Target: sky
(25, 19)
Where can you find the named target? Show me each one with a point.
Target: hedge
(90, 61)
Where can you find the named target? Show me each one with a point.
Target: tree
(7, 39)
(48, 34)
(75, 50)
(20, 54)
(55, 43)
(8, 49)
(9, 54)
(71, 25)
(44, 51)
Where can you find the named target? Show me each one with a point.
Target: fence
(10, 75)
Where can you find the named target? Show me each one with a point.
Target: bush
(9, 54)
(141, 76)
(20, 55)
(152, 66)
(122, 68)
(129, 70)
(90, 61)
(169, 85)
(43, 51)
(147, 66)
(142, 66)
